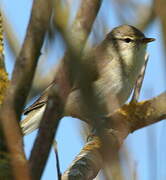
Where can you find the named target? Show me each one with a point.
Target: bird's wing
(94, 60)
(32, 120)
(42, 100)
(34, 113)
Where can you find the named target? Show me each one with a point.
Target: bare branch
(46, 134)
(87, 164)
(151, 111)
(57, 97)
(57, 160)
(131, 117)
(86, 17)
(20, 86)
(79, 31)
(124, 121)
(139, 82)
(90, 160)
(27, 59)
(11, 36)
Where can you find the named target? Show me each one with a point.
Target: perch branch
(87, 164)
(124, 121)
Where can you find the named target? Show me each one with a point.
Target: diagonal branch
(139, 82)
(46, 134)
(11, 36)
(87, 164)
(86, 17)
(124, 121)
(150, 112)
(20, 85)
(27, 60)
(57, 98)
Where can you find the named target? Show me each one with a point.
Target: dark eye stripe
(127, 40)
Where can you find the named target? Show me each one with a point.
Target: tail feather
(32, 120)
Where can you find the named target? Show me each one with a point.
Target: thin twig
(57, 160)
(139, 82)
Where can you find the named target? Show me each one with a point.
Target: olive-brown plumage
(116, 64)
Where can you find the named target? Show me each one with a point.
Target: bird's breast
(113, 87)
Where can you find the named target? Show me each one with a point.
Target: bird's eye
(127, 40)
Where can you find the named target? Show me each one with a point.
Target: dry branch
(139, 82)
(57, 97)
(87, 164)
(20, 86)
(124, 121)
(47, 130)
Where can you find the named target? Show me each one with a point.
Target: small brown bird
(117, 61)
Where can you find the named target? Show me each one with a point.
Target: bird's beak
(147, 40)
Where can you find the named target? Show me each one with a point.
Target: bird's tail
(32, 120)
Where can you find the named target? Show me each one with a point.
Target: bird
(115, 65)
